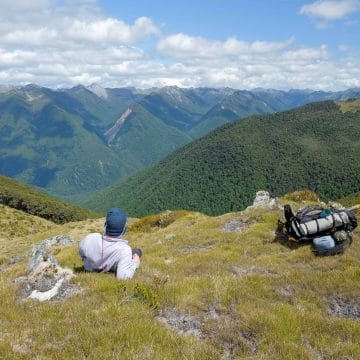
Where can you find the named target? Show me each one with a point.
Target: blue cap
(115, 224)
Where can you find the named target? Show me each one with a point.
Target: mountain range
(73, 142)
(315, 147)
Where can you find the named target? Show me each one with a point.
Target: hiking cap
(115, 224)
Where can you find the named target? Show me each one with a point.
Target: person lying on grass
(108, 252)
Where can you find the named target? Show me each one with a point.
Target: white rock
(263, 199)
(47, 295)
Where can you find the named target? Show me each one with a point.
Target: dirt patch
(236, 226)
(194, 248)
(287, 291)
(181, 323)
(340, 306)
(250, 341)
(222, 329)
(236, 270)
(244, 343)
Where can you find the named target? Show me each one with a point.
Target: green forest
(314, 147)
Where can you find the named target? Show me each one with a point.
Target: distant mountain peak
(98, 90)
(174, 92)
(6, 88)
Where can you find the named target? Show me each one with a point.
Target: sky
(242, 44)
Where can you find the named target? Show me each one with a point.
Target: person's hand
(136, 257)
(136, 251)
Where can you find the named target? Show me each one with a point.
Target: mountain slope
(45, 142)
(240, 104)
(29, 200)
(73, 142)
(142, 138)
(236, 106)
(301, 148)
(208, 288)
(181, 108)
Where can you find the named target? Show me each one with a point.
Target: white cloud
(331, 9)
(110, 30)
(183, 46)
(23, 4)
(307, 54)
(75, 42)
(343, 47)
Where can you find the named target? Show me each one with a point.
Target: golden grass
(349, 105)
(248, 297)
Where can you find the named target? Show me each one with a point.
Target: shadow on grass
(79, 269)
(284, 239)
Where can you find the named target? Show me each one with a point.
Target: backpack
(315, 221)
(341, 240)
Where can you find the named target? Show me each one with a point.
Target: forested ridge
(316, 146)
(26, 198)
(74, 142)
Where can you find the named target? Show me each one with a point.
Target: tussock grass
(302, 196)
(246, 296)
(352, 105)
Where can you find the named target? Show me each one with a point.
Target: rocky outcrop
(263, 199)
(47, 280)
(40, 252)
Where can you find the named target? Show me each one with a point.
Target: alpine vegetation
(207, 288)
(312, 147)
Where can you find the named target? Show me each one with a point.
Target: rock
(335, 205)
(236, 226)
(39, 256)
(47, 281)
(263, 199)
(169, 237)
(58, 240)
(39, 252)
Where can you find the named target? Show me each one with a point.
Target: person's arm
(127, 265)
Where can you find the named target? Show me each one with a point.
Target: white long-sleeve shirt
(104, 253)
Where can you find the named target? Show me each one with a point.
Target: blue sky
(248, 20)
(243, 44)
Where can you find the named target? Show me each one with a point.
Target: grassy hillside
(352, 105)
(301, 148)
(203, 291)
(350, 200)
(29, 200)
